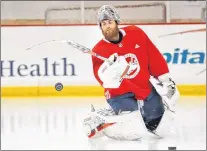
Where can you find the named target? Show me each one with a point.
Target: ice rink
(55, 123)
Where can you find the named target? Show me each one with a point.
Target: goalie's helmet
(108, 12)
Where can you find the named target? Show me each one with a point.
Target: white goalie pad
(128, 126)
(166, 124)
(125, 126)
(170, 100)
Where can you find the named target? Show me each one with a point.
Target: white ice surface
(55, 123)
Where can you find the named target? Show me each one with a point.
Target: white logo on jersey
(136, 46)
(134, 66)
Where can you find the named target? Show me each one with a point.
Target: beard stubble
(111, 34)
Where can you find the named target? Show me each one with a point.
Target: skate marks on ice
(57, 125)
(46, 123)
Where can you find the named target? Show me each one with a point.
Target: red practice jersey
(142, 55)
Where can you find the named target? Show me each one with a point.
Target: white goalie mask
(108, 12)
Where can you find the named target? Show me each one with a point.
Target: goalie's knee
(125, 102)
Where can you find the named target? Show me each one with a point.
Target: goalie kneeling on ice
(140, 116)
(131, 125)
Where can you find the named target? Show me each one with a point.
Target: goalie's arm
(156, 63)
(125, 85)
(96, 64)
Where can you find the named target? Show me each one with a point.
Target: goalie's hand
(171, 88)
(111, 74)
(167, 89)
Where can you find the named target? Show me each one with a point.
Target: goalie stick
(81, 48)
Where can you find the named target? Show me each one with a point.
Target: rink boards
(36, 72)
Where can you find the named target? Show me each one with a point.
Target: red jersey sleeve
(157, 63)
(96, 64)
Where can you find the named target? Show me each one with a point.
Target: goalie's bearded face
(110, 30)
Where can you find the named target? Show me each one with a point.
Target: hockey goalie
(138, 88)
